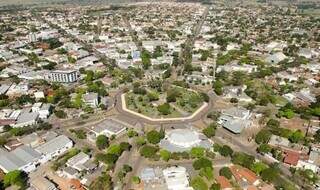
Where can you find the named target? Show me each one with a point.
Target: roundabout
(175, 105)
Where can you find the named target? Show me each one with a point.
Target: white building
(176, 178)
(108, 128)
(179, 140)
(78, 160)
(91, 99)
(54, 148)
(22, 158)
(67, 76)
(27, 119)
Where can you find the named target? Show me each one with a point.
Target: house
(78, 160)
(108, 128)
(91, 99)
(277, 141)
(44, 111)
(69, 172)
(176, 177)
(275, 58)
(236, 92)
(224, 183)
(27, 119)
(42, 183)
(39, 95)
(244, 176)
(54, 148)
(22, 158)
(291, 158)
(307, 165)
(235, 119)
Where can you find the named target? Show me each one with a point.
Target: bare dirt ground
(294, 124)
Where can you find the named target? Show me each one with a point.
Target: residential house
(54, 148)
(235, 119)
(108, 128)
(91, 99)
(78, 160)
(22, 158)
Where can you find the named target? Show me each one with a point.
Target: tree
(263, 136)
(258, 167)
(269, 174)
(273, 123)
(198, 184)
(215, 186)
(165, 155)
(197, 152)
(209, 132)
(132, 133)
(218, 87)
(243, 159)
(60, 114)
(136, 180)
(103, 182)
(108, 158)
(102, 142)
(206, 172)
(202, 163)
(296, 136)
(164, 109)
(264, 148)
(316, 136)
(15, 177)
(226, 172)
(148, 151)
(225, 151)
(154, 137)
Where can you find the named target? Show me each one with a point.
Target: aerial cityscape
(160, 95)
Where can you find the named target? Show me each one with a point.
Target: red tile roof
(223, 181)
(241, 173)
(291, 158)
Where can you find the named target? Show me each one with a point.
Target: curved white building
(179, 140)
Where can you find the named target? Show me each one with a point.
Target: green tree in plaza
(226, 172)
(154, 137)
(102, 142)
(202, 163)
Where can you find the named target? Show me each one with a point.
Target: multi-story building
(67, 76)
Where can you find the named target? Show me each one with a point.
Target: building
(244, 176)
(27, 119)
(176, 178)
(54, 148)
(78, 160)
(22, 158)
(276, 58)
(224, 183)
(91, 99)
(179, 140)
(277, 141)
(67, 76)
(45, 111)
(108, 128)
(42, 183)
(32, 37)
(235, 119)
